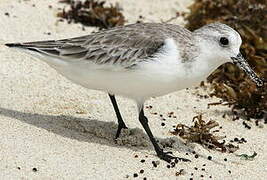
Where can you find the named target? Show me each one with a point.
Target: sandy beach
(54, 129)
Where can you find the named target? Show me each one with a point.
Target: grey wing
(124, 46)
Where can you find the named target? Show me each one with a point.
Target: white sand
(66, 131)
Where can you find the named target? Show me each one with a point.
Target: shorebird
(142, 60)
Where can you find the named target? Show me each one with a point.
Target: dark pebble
(34, 169)
(257, 122)
(229, 172)
(196, 168)
(196, 156)
(18, 168)
(135, 175)
(162, 124)
(145, 178)
(209, 158)
(142, 161)
(225, 159)
(142, 171)
(201, 175)
(246, 125)
(168, 166)
(154, 164)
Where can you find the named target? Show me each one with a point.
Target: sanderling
(142, 60)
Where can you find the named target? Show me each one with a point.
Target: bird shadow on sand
(93, 131)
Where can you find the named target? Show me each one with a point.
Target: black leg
(161, 154)
(118, 114)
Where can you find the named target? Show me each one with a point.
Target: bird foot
(169, 158)
(120, 127)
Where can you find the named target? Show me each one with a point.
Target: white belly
(154, 79)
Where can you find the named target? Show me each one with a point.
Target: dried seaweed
(93, 13)
(201, 133)
(247, 157)
(249, 18)
(181, 172)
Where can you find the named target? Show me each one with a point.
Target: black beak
(242, 64)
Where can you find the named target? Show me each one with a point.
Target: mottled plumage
(124, 45)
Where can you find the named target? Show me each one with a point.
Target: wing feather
(125, 45)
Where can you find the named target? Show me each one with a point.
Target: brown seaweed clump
(93, 13)
(201, 133)
(249, 18)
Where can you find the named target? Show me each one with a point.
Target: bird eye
(224, 41)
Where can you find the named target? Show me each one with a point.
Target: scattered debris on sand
(201, 133)
(247, 157)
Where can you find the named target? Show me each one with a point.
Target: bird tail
(40, 51)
